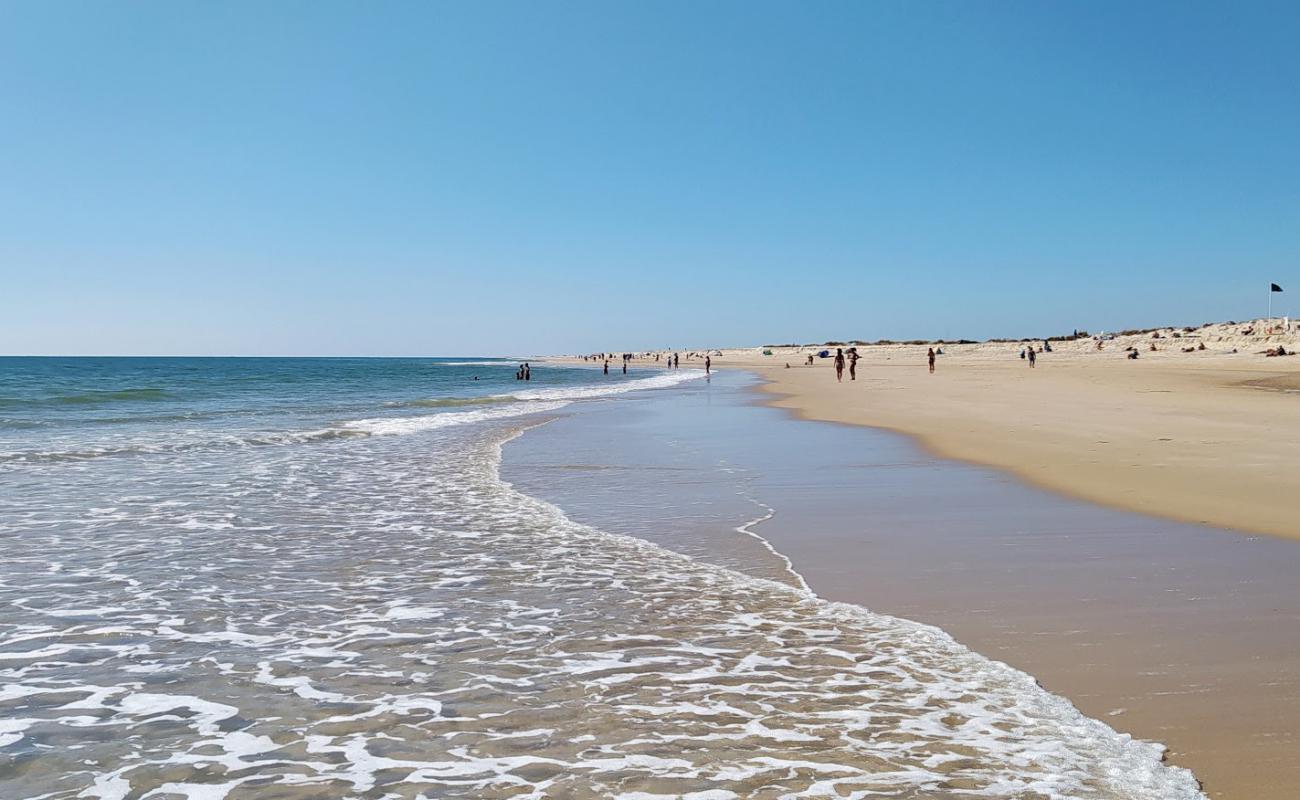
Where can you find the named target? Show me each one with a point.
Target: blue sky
(475, 178)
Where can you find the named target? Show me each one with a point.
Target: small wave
(529, 401)
(89, 398)
(157, 448)
(22, 424)
(500, 363)
(117, 395)
(663, 380)
(452, 402)
(388, 426)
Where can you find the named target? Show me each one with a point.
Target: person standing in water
(930, 356)
(708, 364)
(625, 366)
(839, 364)
(528, 372)
(607, 366)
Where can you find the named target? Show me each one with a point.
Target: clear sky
(503, 178)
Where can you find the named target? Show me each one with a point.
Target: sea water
(305, 578)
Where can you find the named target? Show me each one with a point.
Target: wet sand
(1178, 633)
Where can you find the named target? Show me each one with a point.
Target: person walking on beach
(930, 356)
(607, 366)
(853, 363)
(1032, 356)
(839, 364)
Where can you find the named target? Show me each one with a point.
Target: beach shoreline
(1203, 436)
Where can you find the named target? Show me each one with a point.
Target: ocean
(306, 578)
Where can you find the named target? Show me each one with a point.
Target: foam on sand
(393, 619)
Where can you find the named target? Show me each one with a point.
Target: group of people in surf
(674, 360)
(524, 373)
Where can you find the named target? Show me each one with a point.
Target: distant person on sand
(839, 364)
(1032, 357)
(853, 364)
(930, 356)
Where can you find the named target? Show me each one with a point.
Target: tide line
(747, 529)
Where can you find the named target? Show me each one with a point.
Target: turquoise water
(51, 408)
(305, 578)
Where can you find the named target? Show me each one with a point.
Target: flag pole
(1270, 304)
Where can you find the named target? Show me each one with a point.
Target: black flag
(1274, 287)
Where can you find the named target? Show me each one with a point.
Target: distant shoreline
(1199, 429)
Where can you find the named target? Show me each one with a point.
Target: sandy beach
(1206, 437)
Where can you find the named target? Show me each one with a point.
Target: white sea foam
(659, 381)
(389, 426)
(394, 620)
(748, 530)
(530, 401)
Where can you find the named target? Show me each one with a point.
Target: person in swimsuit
(839, 364)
